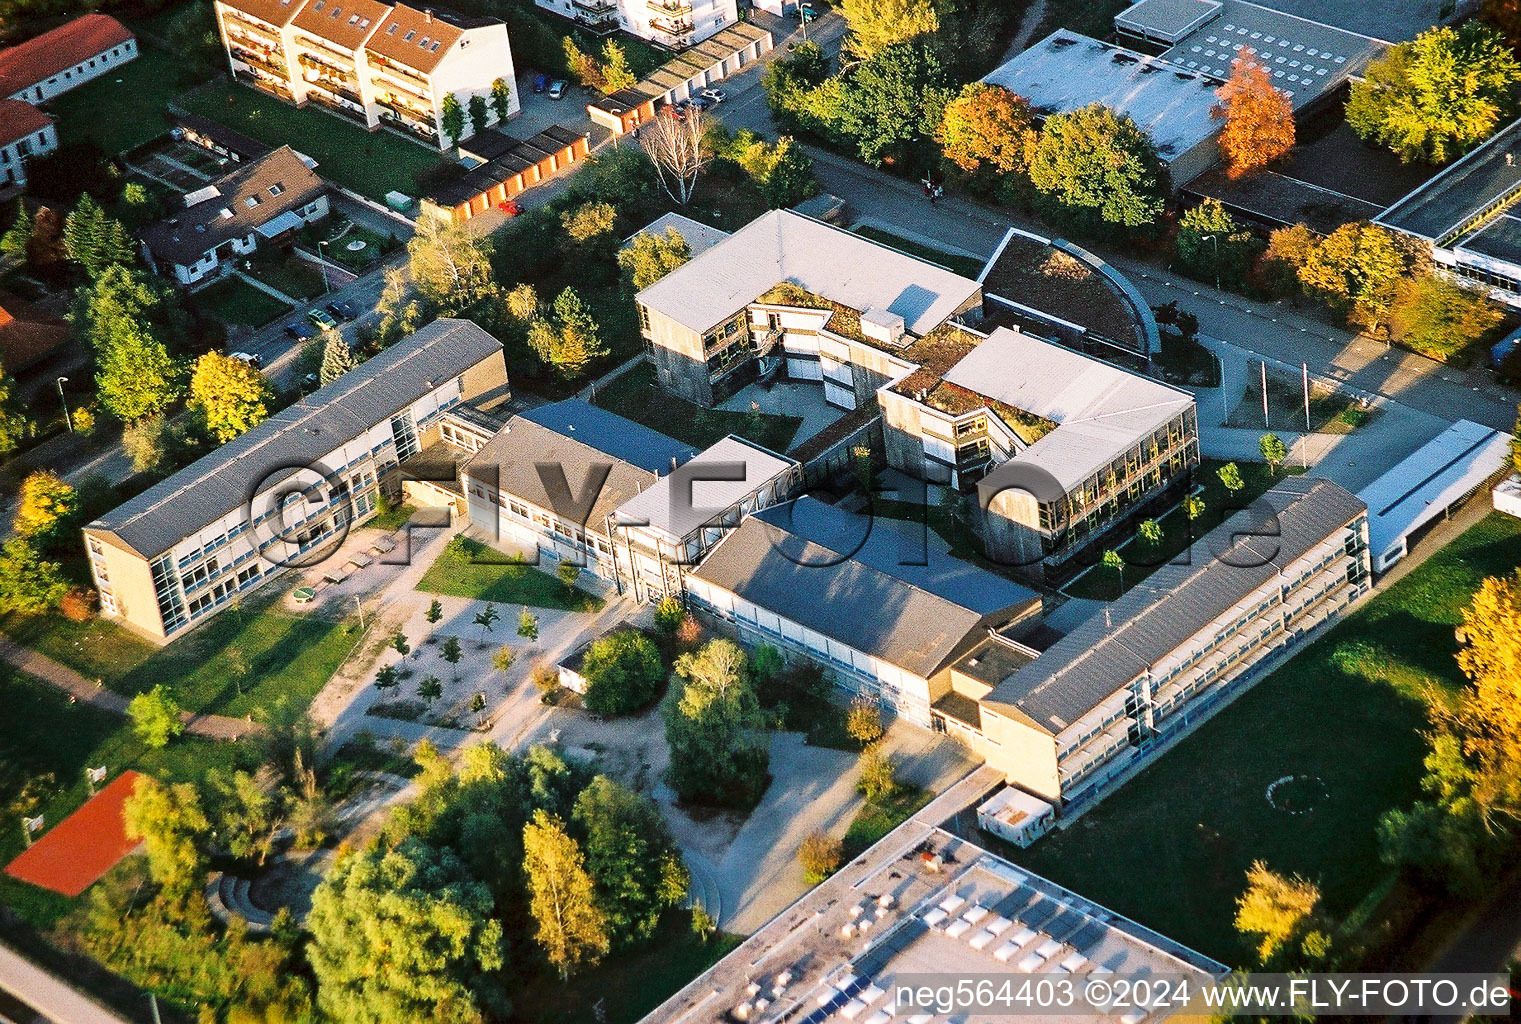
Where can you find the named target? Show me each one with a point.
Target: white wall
(481, 57)
(13, 157)
(79, 74)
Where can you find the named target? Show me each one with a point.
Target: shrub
(78, 605)
(545, 679)
(863, 722)
(669, 615)
(878, 779)
(819, 854)
(623, 672)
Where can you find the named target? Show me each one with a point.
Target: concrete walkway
(48, 994)
(82, 690)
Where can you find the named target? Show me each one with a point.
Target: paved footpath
(45, 669)
(48, 994)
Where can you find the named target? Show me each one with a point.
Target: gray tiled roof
(828, 261)
(613, 434)
(693, 494)
(510, 462)
(853, 599)
(298, 435)
(1158, 616)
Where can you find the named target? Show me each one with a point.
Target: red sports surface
(84, 846)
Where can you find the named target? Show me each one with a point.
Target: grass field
(468, 568)
(1170, 849)
(235, 301)
(372, 164)
(289, 274)
(875, 820)
(124, 107)
(966, 266)
(636, 396)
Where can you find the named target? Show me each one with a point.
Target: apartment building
(629, 504)
(885, 617)
(672, 23)
(1061, 446)
(1068, 723)
(374, 63)
(262, 203)
(25, 132)
(66, 57)
(284, 493)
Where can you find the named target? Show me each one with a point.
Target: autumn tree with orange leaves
(1259, 119)
(987, 126)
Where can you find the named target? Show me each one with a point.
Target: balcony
(269, 85)
(337, 89)
(267, 63)
(670, 8)
(678, 30)
(262, 36)
(327, 68)
(598, 15)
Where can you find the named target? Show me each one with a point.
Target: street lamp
(1215, 239)
(322, 262)
(67, 419)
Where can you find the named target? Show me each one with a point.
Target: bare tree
(674, 145)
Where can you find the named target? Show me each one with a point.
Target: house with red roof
(68, 56)
(25, 132)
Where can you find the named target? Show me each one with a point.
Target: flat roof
(1168, 20)
(1500, 239)
(1394, 20)
(1066, 71)
(1105, 652)
(297, 436)
(1450, 202)
(699, 237)
(953, 909)
(1424, 484)
(693, 493)
(838, 265)
(1100, 409)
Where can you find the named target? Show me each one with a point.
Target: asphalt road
(52, 997)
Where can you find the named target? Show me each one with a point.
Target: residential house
(263, 202)
(371, 62)
(286, 492)
(66, 57)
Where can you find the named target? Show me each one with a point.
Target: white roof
(690, 496)
(830, 262)
(1066, 71)
(700, 237)
(1100, 409)
(1421, 487)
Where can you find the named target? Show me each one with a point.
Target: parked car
(247, 357)
(342, 309)
(557, 89)
(699, 103)
(300, 330)
(714, 95)
(310, 381)
(322, 319)
(510, 207)
(540, 83)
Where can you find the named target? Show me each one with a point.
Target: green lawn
(1171, 847)
(125, 107)
(628, 985)
(283, 655)
(42, 733)
(1142, 559)
(235, 301)
(875, 820)
(966, 266)
(289, 274)
(468, 568)
(369, 163)
(336, 234)
(636, 396)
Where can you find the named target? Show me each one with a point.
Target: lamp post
(322, 262)
(68, 420)
(1216, 240)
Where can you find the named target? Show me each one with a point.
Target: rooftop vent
(883, 326)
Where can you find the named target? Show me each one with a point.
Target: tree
(1356, 268)
(567, 338)
(893, 99)
(17, 240)
(399, 643)
(1487, 720)
(820, 855)
(15, 425)
(703, 923)
(674, 146)
(486, 618)
(623, 672)
(1439, 95)
(229, 394)
(478, 708)
(1274, 451)
(430, 689)
(451, 652)
(634, 863)
(863, 722)
(434, 613)
(1230, 477)
(1504, 16)
(522, 302)
(501, 99)
(1274, 907)
(249, 811)
(94, 240)
(987, 126)
(172, 825)
(452, 119)
(547, 681)
(1193, 507)
(1213, 247)
(714, 725)
(125, 317)
(878, 779)
(148, 442)
(1112, 561)
(29, 584)
(1277, 270)
(400, 315)
(528, 626)
(1150, 531)
(155, 716)
(1259, 119)
(649, 257)
(616, 74)
(568, 923)
(1438, 318)
(790, 179)
(480, 113)
(451, 266)
(589, 221)
(405, 934)
(337, 358)
(503, 659)
(878, 24)
(668, 614)
(582, 66)
(568, 573)
(47, 511)
(387, 678)
(1098, 168)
